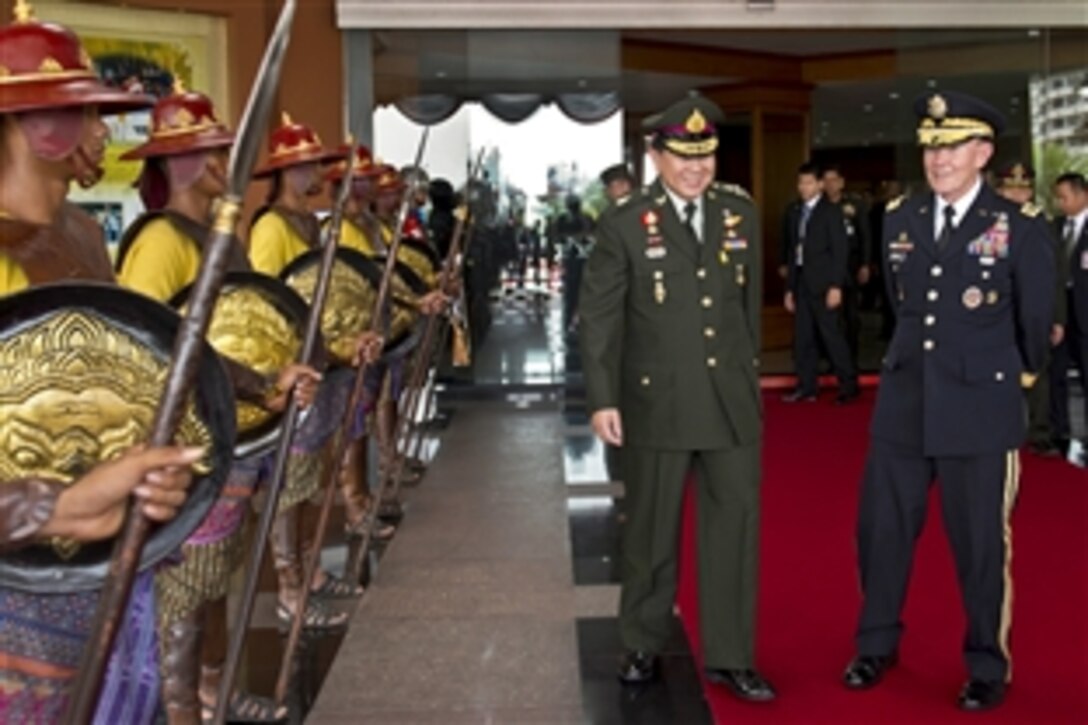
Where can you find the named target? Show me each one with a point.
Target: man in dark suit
(1071, 339)
(855, 219)
(972, 276)
(816, 247)
(670, 311)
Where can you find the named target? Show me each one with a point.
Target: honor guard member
(357, 228)
(618, 182)
(185, 163)
(670, 334)
(972, 276)
(282, 230)
(51, 134)
(1071, 338)
(859, 262)
(1016, 182)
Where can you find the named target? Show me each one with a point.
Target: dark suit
(670, 334)
(824, 247)
(971, 318)
(1072, 312)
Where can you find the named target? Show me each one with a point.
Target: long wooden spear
(183, 369)
(336, 462)
(308, 355)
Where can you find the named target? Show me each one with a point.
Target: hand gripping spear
(335, 463)
(422, 361)
(308, 354)
(182, 374)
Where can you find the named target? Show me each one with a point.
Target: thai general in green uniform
(670, 319)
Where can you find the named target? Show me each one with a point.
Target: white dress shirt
(962, 206)
(679, 202)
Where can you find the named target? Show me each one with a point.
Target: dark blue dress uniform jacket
(973, 321)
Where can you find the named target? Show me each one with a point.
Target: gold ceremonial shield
(84, 366)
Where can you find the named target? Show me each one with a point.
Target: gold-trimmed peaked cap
(947, 118)
(1016, 175)
(687, 128)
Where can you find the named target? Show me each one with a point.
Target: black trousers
(977, 498)
(1071, 353)
(814, 324)
(851, 315)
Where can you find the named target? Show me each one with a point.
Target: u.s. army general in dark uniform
(972, 277)
(670, 319)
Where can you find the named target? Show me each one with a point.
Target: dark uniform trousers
(727, 495)
(977, 498)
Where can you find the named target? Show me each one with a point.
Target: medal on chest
(731, 239)
(655, 243)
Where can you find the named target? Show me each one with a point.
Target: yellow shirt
(161, 261)
(352, 236)
(273, 244)
(12, 277)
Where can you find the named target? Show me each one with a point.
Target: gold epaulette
(734, 189)
(894, 203)
(1030, 210)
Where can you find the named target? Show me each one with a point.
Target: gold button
(929, 344)
(712, 362)
(936, 270)
(645, 381)
(658, 274)
(708, 331)
(700, 273)
(932, 295)
(931, 320)
(707, 302)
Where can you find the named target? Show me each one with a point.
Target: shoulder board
(1030, 210)
(894, 203)
(732, 189)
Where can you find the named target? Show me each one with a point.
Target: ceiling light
(894, 95)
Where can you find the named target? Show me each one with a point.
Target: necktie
(949, 226)
(689, 220)
(1069, 240)
(806, 212)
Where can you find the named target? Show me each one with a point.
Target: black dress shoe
(865, 671)
(799, 396)
(747, 685)
(1045, 449)
(979, 695)
(847, 396)
(637, 668)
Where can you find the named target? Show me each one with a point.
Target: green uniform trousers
(727, 499)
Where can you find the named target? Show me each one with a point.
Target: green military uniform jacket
(670, 327)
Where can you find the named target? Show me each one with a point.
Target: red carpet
(809, 594)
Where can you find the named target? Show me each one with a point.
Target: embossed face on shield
(78, 391)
